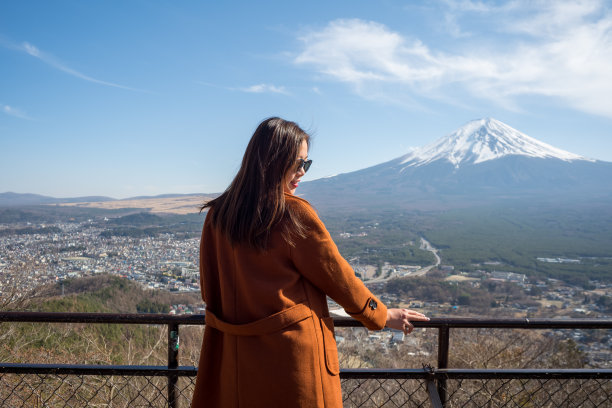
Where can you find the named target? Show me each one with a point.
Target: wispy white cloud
(32, 50)
(265, 88)
(259, 88)
(472, 6)
(54, 62)
(556, 49)
(11, 111)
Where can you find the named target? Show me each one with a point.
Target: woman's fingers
(409, 315)
(408, 327)
(414, 315)
(400, 319)
(420, 318)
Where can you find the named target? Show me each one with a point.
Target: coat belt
(267, 325)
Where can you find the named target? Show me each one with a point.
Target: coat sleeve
(318, 260)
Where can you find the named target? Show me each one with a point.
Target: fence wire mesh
(541, 393)
(57, 390)
(384, 393)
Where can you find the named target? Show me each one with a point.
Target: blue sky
(128, 98)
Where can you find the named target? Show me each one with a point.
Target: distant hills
(165, 203)
(12, 199)
(485, 161)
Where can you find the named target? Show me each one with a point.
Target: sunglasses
(303, 164)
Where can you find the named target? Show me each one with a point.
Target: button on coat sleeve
(317, 258)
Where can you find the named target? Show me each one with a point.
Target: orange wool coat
(269, 341)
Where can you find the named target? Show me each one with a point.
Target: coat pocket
(331, 351)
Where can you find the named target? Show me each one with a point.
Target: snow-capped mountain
(483, 161)
(483, 140)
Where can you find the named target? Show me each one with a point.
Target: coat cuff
(373, 315)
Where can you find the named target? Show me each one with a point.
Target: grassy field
(173, 205)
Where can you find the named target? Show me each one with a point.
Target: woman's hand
(399, 319)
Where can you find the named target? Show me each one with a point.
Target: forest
(507, 238)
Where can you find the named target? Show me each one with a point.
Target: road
(425, 246)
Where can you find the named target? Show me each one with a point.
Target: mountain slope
(483, 140)
(485, 160)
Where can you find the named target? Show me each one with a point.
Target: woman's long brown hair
(254, 203)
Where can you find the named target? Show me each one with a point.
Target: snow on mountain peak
(482, 140)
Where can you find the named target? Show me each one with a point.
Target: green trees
(487, 238)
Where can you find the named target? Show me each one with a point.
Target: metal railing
(439, 386)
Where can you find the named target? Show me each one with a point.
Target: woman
(266, 265)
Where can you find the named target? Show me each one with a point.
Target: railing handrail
(439, 374)
(502, 323)
(96, 369)
(397, 373)
(114, 318)
(199, 319)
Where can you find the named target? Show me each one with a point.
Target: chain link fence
(58, 390)
(384, 393)
(53, 385)
(69, 390)
(541, 393)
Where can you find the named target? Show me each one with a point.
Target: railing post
(443, 344)
(434, 398)
(173, 348)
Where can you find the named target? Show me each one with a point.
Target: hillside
(108, 294)
(96, 343)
